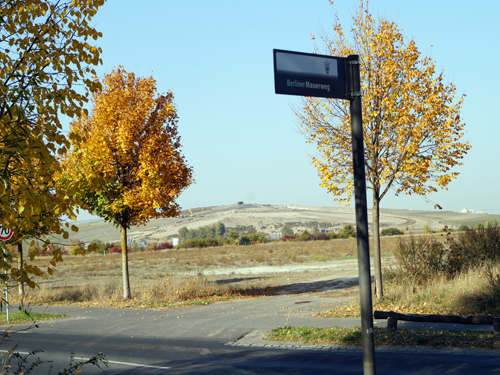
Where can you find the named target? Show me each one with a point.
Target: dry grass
(144, 265)
(165, 278)
(470, 293)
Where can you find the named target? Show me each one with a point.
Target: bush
(163, 246)
(286, 230)
(427, 229)
(419, 258)
(117, 250)
(391, 232)
(234, 235)
(253, 238)
(463, 228)
(347, 232)
(205, 242)
(310, 237)
(102, 247)
(473, 247)
(75, 250)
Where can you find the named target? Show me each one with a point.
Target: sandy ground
(337, 279)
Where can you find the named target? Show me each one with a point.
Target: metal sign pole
(358, 158)
(303, 74)
(6, 294)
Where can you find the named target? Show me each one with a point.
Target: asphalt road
(201, 340)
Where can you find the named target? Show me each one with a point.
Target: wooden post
(392, 325)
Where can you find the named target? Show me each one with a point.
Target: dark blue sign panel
(306, 74)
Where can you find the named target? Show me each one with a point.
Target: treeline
(200, 237)
(348, 231)
(215, 235)
(208, 232)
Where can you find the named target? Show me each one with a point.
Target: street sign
(307, 74)
(6, 234)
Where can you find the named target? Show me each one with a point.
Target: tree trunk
(126, 282)
(376, 246)
(20, 266)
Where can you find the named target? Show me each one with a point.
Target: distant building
(473, 211)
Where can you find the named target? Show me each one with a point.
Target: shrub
(286, 230)
(347, 232)
(75, 250)
(163, 246)
(115, 250)
(257, 237)
(427, 229)
(205, 242)
(310, 237)
(234, 234)
(391, 232)
(463, 228)
(102, 247)
(472, 248)
(419, 258)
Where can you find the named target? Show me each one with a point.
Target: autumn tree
(128, 167)
(45, 52)
(286, 230)
(412, 127)
(32, 223)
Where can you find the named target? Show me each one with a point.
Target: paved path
(228, 337)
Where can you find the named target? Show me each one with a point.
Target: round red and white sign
(6, 234)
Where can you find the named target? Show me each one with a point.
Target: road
(205, 339)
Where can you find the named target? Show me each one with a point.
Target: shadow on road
(340, 284)
(236, 280)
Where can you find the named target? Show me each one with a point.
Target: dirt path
(334, 279)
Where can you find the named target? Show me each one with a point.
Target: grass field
(175, 276)
(172, 277)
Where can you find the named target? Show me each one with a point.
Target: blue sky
(242, 139)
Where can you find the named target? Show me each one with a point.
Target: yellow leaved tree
(128, 167)
(412, 127)
(34, 223)
(46, 51)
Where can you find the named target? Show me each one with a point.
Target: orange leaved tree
(412, 126)
(125, 163)
(47, 55)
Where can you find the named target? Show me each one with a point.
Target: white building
(473, 211)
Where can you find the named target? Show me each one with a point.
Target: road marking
(7, 351)
(114, 362)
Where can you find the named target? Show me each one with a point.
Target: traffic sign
(6, 234)
(307, 74)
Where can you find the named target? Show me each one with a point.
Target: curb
(256, 339)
